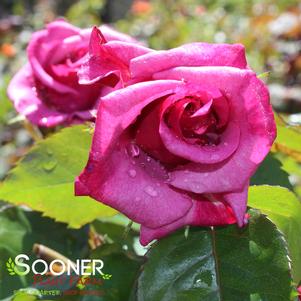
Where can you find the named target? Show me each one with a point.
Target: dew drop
(215, 157)
(133, 150)
(44, 120)
(132, 173)
(49, 152)
(151, 191)
(148, 159)
(50, 165)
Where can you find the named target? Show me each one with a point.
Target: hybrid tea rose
(179, 147)
(47, 89)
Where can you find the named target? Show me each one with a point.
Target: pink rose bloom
(47, 90)
(299, 291)
(179, 148)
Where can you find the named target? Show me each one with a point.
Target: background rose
(180, 148)
(46, 90)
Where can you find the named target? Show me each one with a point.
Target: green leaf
(124, 269)
(5, 104)
(44, 179)
(20, 230)
(227, 264)
(284, 209)
(114, 233)
(271, 172)
(288, 141)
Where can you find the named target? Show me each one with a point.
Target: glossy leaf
(20, 230)
(44, 179)
(284, 209)
(228, 264)
(288, 141)
(271, 172)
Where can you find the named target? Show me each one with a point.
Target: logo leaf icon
(10, 266)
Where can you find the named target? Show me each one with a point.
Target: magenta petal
(205, 109)
(202, 154)
(108, 58)
(249, 100)
(195, 54)
(238, 202)
(34, 55)
(133, 184)
(111, 34)
(202, 213)
(60, 29)
(22, 92)
(120, 108)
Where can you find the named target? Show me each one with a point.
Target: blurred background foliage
(270, 31)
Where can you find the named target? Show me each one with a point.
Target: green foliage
(20, 230)
(284, 209)
(219, 264)
(44, 179)
(271, 172)
(288, 141)
(5, 104)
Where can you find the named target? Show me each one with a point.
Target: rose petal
(111, 34)
(108, 58)
(202, 213)
(120, 108)
(198, 153)
(238, 202)
(35, 53)
(60, 29)
(195, 54)
(250, 107)
(22, 92)
(133, 184)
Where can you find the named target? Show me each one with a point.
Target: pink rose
(47, 91)
(179, 149)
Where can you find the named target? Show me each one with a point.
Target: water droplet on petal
(148, 159)
(151, 191)
(132, 173)
(215, 157)
(133, 150)
(44, 120)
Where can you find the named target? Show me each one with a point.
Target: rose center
(195, 120)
